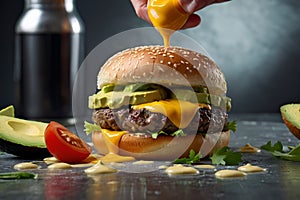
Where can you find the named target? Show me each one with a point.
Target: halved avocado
(290, 114)
(23, 138)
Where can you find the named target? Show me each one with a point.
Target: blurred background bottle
(49, 50)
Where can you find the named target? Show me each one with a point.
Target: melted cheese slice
(179, 112)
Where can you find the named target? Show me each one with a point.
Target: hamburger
(158, 103)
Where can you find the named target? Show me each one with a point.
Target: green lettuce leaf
(89, 128)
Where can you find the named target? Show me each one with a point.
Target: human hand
(190, 6)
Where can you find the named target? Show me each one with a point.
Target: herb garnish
(277, 151)
(193, 158)
(89, 128)
(179, 132)
(18, 175)
(231, 126)
(225, 156)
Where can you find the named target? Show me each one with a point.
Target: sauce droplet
(205, 166)
(100, 168)
(180, 169)
(229, 173)
(251, 168)
(167, 16)
(50, 160)
(248, 148)
(112, 157)
(163, 167)
(60, 165)
(25, 165)
(143, 162)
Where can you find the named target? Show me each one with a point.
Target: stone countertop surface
(280, 181)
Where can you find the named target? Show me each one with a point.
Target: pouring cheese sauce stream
(167, 16)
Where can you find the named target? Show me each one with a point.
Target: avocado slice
(8, 111)
(117, 99)
(196, 97)
(23, 138)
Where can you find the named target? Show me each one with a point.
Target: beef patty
(144, 121)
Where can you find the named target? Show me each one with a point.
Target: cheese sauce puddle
(180, 169)
(143, 162)
(229, 173)
(251, 168)
(205, 166)
(100, 168)
(248, 148)
(25, 165)
(60, 165)
(112, 157)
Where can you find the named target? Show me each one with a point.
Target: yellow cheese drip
(179, 112)
(166, 16)
(112, 139)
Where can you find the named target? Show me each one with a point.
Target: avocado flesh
(195, 97)
(116, 96)
(291, 112)
(8, 111)
(22, 137)
(116, 99)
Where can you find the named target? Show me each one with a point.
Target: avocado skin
(23, 151)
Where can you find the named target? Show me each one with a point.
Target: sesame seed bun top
(162, 65)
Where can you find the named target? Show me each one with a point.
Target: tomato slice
(65, 145)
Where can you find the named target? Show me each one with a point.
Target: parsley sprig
(225, 156)
(231, 126)
(277, 151)
(193, 158)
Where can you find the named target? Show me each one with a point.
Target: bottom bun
(164, 147)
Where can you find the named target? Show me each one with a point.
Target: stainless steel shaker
(49, 50)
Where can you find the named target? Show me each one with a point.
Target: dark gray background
(256, 43)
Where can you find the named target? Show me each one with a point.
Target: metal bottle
(49, 51)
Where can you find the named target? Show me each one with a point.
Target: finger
(191, 6)
(140, 7)
(193, 20)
